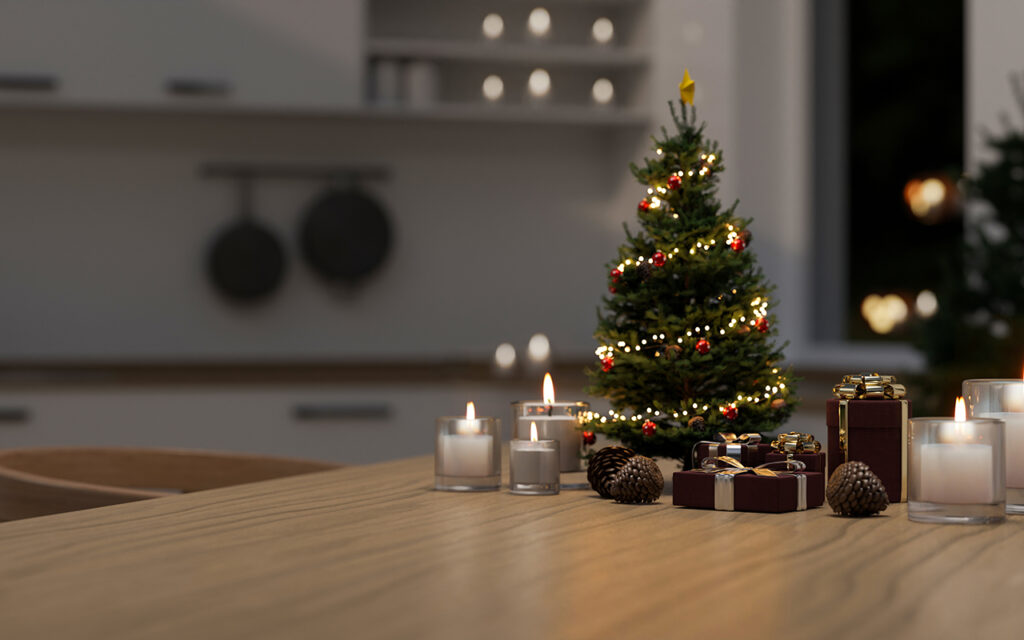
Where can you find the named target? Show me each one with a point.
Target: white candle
(956, 473)
(468, 452)
(953, 471)
(1014, 446)
(533, 461)
(467, 455)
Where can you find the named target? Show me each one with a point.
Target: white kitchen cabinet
(351, 424)
(242, 53)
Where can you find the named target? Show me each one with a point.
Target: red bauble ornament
(730, 413)
(738, 244)
(615, 274)
(644, 205)
(674, 182)
(761, 325)
(703, 346)
(649, 428)
(658, 259)
(589, 437)
(607, 364)
(612, 289)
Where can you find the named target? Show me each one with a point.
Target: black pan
(345, 236)
(246, 260)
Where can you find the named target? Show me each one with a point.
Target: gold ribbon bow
(743, 438)
(795, 442)
(867, 386)
(735, 467)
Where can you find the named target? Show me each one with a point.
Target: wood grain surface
(373, 552)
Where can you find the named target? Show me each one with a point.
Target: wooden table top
(373, 552)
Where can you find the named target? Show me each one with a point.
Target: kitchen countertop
(373, 552)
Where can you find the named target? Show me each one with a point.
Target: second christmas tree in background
(686, 337)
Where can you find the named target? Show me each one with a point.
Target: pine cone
(855, 490)
(644, 270)
(603, 465)
(639, 481)
(697, 423)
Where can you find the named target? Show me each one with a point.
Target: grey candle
(533, 465)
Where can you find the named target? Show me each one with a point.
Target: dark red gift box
(749, 492)
(813, 461)
(750, 455)
(876, 434)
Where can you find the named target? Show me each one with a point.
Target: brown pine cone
(696, 423)
(639, 481)
(855, 490)
(603, 466)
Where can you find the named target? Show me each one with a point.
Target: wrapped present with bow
(745, 447)
(726, 484)
(867, 421)
(798, 446)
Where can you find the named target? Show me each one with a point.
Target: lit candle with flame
(555, 421)
(467, 450)
(533, 465)
(956, 468)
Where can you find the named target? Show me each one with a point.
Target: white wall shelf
(514, 53)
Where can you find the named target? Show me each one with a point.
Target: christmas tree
(979, 326)
(686, 338)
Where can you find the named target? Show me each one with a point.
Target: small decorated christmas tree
(686, 339)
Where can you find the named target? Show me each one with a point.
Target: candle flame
(470, 411)
(549, 389)
(960, 414)
(533, 432)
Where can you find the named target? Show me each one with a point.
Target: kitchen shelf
(450, 112)
(513, 53)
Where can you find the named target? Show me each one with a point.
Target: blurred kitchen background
(429, 193)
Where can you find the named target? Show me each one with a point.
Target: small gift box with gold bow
(867, 421)
(746, 447)
(725, 484)
(798, 446)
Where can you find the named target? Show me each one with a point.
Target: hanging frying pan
(246, 260)
(345, 235)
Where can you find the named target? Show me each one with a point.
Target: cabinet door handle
(13, 415)
(370, 411)
(38, 82)
(198, 87)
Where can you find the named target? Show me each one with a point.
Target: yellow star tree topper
(686, 88)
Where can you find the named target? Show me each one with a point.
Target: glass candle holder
(533, 467)
(1003, 400)
(561, 421)
(956, 471)
(467, 456)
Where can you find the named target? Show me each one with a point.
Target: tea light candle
(467, 456)
(533, 465)
(956, 470)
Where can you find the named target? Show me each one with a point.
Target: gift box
(867, 421)
(748, 489)
(746, 448)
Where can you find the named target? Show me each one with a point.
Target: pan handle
(34, 82)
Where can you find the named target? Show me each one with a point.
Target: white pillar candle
(467, 454)
(1014, 446)
(956, 473)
